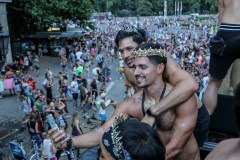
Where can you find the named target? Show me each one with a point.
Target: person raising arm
(184, 85)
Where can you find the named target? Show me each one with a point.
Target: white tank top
(46, 150)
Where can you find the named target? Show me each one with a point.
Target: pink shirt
(92, 51)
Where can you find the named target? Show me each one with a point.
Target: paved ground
(11, 115)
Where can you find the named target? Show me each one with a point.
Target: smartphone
(51, 121)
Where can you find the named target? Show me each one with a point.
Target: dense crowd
(187, 46)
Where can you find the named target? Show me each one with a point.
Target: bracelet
(69, 143)
(149, 113)
(70, 147)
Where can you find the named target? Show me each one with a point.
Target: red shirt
(31, 83)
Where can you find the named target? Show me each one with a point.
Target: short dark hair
(141, 140)
(24, 94)
(237, 105)
(139, 37)
(154, 59)
(65, 77)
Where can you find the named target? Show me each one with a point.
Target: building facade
(5, 46)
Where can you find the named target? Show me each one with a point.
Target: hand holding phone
(51, 121)
(57, 136)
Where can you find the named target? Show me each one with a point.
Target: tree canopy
(155, 7)
(27, 16)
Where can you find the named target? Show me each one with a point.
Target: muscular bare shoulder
(169, 87)
(221, 152)
(174, 74)
(128, 106)
(171, 68)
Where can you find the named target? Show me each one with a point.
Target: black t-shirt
(94, 85)
(31, 127)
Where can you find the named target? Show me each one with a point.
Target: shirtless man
(184, 85)
(181, 79)
(175, 126)
(229, 22)
(229, 149)
(126, 41)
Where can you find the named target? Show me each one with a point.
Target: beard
(129, 61)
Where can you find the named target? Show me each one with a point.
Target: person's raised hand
(59, 138)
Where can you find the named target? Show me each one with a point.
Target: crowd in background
(187, 46)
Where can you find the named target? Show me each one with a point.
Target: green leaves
(29, 16)
(154, 7)
(144, 8)
(59, 9)
(41, 13)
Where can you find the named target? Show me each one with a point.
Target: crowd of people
(189, 52)
(74, 89)
(163, 67)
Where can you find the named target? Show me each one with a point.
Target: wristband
(149, 113)
(70, 147)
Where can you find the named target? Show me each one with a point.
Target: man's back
(231, 11)
(221, 152)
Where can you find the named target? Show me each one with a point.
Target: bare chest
(164, 121)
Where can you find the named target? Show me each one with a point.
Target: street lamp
(4, 39)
